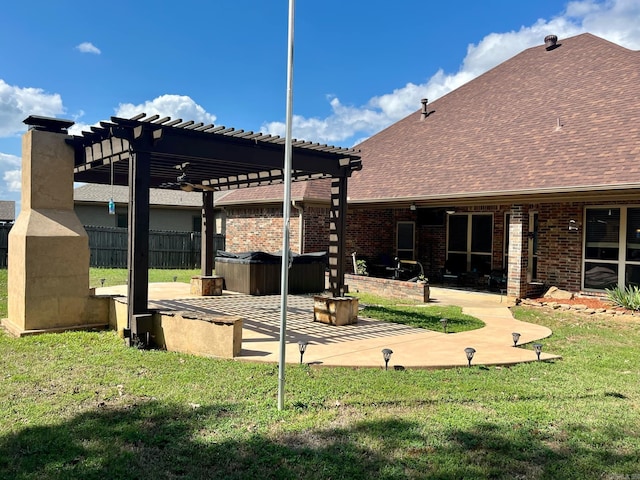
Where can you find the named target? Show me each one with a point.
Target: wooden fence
(4, 244)
(108, 247)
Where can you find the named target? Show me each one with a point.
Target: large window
(612, 247)
(469, 243)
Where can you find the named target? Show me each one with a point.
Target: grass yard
(115, 276)
(82, 406)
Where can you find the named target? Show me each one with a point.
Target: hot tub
(258, 273)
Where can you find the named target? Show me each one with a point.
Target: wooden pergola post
(337, 241)
(208, 230)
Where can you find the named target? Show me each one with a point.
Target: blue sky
(358, 66)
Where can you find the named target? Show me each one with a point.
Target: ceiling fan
(183, 181)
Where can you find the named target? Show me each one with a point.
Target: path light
(537, 347)
(469, 352)
(386, 353)
(302, 346)
(102, 282)
(444, 321)
(516, 337)
(175, 278)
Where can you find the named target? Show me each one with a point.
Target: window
(611, 247)
(469, 243)
(532, 269)
(405, 240)
(505, 253)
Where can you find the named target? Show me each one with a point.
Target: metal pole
(286, 212)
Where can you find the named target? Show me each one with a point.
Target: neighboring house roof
(94, 193)
(7, 210)
(545, 121)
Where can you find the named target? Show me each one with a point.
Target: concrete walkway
(361, 345)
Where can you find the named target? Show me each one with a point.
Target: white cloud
(615, 20)
(174, 106)
(88, 47)
(12, 173)
(13, 179)
(17, 103)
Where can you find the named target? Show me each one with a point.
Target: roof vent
(550, 42)
(425, 110)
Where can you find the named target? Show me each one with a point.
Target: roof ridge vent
(550, 42)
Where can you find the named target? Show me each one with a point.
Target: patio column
(518, 258)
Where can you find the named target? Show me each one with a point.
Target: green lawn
(81, 406)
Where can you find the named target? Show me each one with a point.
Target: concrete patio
(360, 345)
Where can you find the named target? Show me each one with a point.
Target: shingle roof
(309, 191)
(7, 210)
(567, 119)
(102, 193)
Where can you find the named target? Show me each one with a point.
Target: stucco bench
(200, 334)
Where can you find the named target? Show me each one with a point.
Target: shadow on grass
(156, 441)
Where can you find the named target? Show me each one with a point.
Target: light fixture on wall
(450, 211)
(412, 207)
(573, 226)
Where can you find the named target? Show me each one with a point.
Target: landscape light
(302, 346)
(516, 337)
(469, 351)
(537, 347)
(102, 282)
(444, 321)
(386, 354)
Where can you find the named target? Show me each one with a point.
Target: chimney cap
(48, 124)
(550, 42)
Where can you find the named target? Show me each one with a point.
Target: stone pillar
(518, 259)
(48, 273)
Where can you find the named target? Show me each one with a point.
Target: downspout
(300, 209)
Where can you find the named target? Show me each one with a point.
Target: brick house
(525, 177)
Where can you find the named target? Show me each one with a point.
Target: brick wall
(387, 288)
(258, 229)
(371, 233)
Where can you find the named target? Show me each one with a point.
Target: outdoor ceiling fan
(183, 181)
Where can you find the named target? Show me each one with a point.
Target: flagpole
(286, 207)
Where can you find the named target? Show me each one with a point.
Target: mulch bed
(589, 305)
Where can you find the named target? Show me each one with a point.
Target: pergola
(149, 152)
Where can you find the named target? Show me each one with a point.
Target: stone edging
(579, 308)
